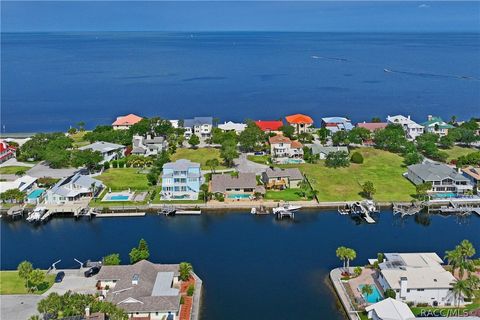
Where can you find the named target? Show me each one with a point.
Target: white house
(417, 278)
(24, 183)
(148, 146)
(282, 149)
(109, 151)
(73, 188)
(232, 126)
(324, 151)
(411, 128)
(200, 126)
(389, 309)
(437, 125)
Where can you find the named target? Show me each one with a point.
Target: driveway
(18, 306)
(42, 170)
(14, 162)
(245, 165)
(75, 281)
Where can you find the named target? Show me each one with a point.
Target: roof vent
(135, 279)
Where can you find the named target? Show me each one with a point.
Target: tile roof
(221, 182)
(291, 173)
(473, 172)
(299, 119)
(279, 139)
(128, 120)
(269, 125)
(372, 126)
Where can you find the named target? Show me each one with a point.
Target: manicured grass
(259, 159)
(456, 151)
(200, 155)
(119, 179)
(13, 169)
(383, 168)
(285, 195)
(11, 283)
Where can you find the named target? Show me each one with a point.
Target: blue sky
(343, 16)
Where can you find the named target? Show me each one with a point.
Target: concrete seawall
(335, 276)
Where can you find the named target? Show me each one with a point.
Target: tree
(337, 159)
(139, 253)
(460, 258)
(229, 152)
(446, 141)
(204, 193)
(212, 164)
(358, 135)
(346, 255)
(350, 255)
(376, 120)
(390, 293)
(422, 190)
(392, 138)
(412, 158)
(367, 290)
(194, 141)
(368, 189)
(185, 270)
(340, 138)
(357, 271)
(24, 269)
(36, 278)
(251, 138)
(152, 177)
(81, 125)
(13, 195)
(308, 155)
(112, 259)
(288, 131)
(323, 135)
(87, 158)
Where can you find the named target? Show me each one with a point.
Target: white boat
(387, 70)
(369, 205)
(36, 215)
(253, 211)
(286, 207)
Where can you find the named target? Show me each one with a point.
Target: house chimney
(408, 117)
(429, 117)
(403, 287)
(87, 311)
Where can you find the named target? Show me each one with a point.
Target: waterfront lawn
(285, 195)
(13, 169)
(455, 152)
(119, 179)
(383, 168)
(78, 139)
(200, 155)
(259, 159)
(11, 283)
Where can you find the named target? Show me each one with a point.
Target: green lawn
(119, 179)
(285, 195)
(78, 139)
(383, 168)
(456, 151)
(259, 159)
(11, 283)
(200, 155)
(13, 169)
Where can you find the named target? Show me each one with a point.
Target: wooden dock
(120, 214)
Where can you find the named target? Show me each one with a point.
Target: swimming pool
(117, 197)
(374, 297)
(293, 161)
(238, 196)
(35, 194)
(444, 195)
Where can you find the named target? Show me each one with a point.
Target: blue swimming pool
(374, 297)
(444, 195)
(119, 198)
(238, 196)
(35, 194)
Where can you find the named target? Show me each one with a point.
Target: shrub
(357, 271)
(128, 164)
(219, 196)
(106, 165)
(357, 158)
(182, 300)
(121, 163)
(380, 257)
(390, 293)
(190, 290)
(114, 164)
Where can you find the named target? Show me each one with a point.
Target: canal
(253, 267)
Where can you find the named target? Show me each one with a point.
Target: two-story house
(444, 179)
(334, 124)
(148, 146)
(302, 123)
(411, 128)
(73, 188)
(283, 150)
(125, 122)
(199, 126)
(108, 150)
(181, 180)
(436, 125)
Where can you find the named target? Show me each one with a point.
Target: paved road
(245, 165)
(42, 170)
(18, 307)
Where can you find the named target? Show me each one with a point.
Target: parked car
(92, 271)
(59, 277)
(259, 153)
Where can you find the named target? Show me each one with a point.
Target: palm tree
(185, 270)
(342, 255)
(367, 290)
(461, 288)
(459, 258)
(351, 255)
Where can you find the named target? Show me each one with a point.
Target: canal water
(253, 267)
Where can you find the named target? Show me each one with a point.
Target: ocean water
(253, 267)
(53, 80)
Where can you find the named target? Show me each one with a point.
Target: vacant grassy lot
(200, 155)
(383, 168)
(11, 283)
(13, 169)
(78, 139)
(285, 195)
(259, 159)
(119, 179)
(456, 151)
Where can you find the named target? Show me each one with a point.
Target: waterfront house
(411, 128)
(472, 174)
(334, 124)
(24, 184)
(324, 151)
(6, 151)
(372, 126)
(277, 178)
(181, 180)
(109, 151)
(389, 309)
(232, 126)
(300, 122)
(284, 150)
(144, 290)
(269, 125)
(241, 187)
(417, 278)
(200, 126)
(444, 179)
(148, 146)
(436, 125)
(125, 122)
(73, 188)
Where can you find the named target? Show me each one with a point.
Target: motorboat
(286, 207)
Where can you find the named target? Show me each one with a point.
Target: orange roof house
(125, 122)
(300, 122)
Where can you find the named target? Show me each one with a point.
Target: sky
(342, 16)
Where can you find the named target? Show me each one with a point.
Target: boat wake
(330, 58)
(431, 75)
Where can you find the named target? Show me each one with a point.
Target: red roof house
(125, 122)
(6, 151)
(268, 126)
